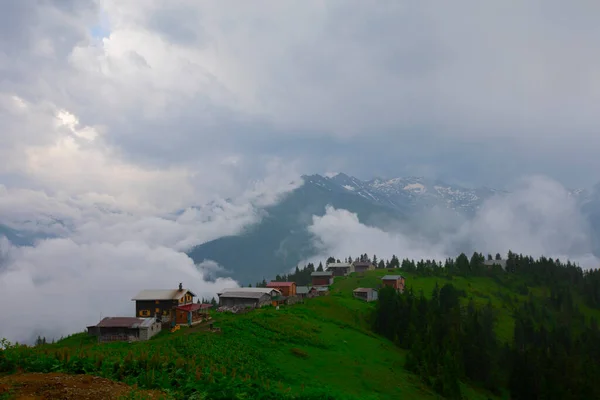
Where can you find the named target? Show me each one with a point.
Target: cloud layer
(442, 88)
(537, 218)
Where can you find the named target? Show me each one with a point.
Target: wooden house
(129, 329)
(191, 314)
(366, 294)
(395, 281)
(360, 266)
(322, 278)
(286, 288)
(340, 269)
(247, 297)
(306, 292)
(162, 303)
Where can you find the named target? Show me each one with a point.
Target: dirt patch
(68, 387)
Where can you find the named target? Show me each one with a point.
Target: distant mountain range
(280, 240)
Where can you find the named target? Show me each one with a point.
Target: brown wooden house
(247, 297)
(340, 269)
(191, 314)
(360, 266)
(162, 303)
(395, 281)
(322, 278)
(286, 288)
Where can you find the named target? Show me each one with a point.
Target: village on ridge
(169, 309)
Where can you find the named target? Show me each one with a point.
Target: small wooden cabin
(129, 329)
(395, 281)
(191, 314)
(366, 294)
(322, 278)
(340, 269)
(361, 266)
(286, 288)
(247, 297)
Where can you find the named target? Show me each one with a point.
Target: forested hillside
(552, 353)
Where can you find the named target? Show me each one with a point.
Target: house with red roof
(191, 314)
(286, 288)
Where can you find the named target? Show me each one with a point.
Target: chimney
(180, 286)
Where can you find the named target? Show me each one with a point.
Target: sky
(114, 116)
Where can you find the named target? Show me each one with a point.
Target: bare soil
(57, 386)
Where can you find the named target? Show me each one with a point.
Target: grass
(324, 345)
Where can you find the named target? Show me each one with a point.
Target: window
(156, 302)
(144, 313)
(157, 310)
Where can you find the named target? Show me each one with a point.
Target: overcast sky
(481, 92)
(114, 113)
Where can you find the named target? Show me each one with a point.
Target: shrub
(299, 352)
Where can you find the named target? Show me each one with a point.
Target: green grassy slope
(323, 345)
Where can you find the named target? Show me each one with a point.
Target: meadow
(323, 348)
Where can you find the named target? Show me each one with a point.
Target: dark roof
(339, 265)
(364, 290)
(322, 273)
(162, 294)
(362, 263)
(120, 322)
(280, 284)
(392, 277)
(243, 295)
(303, 289)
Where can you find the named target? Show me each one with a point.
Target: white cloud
(537, 218)
(62, 286)
(103, 255)
(340, 233)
